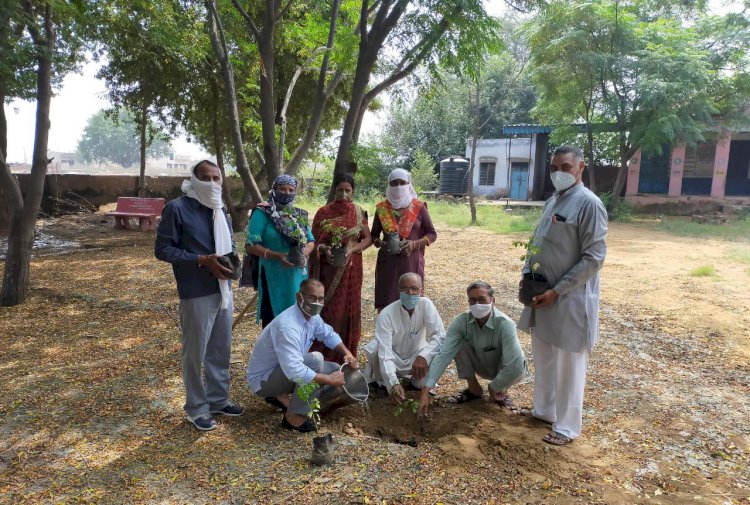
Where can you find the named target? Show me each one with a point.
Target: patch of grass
(703, 271)
(737, 231)
(493, 218)
(740, 254)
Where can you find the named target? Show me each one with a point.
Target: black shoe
(203, 422)
(305, 427)
(272, 400)
(230, 409)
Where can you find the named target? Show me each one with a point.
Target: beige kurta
(570, 257)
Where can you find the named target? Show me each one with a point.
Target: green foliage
(336, 231)
(318, 176)
(111, 137)
(374, 163)
(622, 211)
(305, 392)
(735, 231)
(656, 79)
(152, 49)
(489, 217)
(530, 251)
(406, 405)
(740, 254)
(703, 271)
(438, 120)
(423, 175)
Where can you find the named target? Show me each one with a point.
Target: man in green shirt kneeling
(484, 344)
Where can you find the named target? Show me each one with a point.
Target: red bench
(145, 209)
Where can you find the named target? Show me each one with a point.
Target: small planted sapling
(408, 404)
(533, 282)
(337, 233)
(323, 446)
(306, 393)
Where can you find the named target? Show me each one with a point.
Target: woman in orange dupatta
(343, 306)
(403, 214)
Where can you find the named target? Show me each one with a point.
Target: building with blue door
(511, 167)
(718, 168)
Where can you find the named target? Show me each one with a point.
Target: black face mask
(284, 198)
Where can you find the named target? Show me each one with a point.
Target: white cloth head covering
(209, 195)
(400, 196)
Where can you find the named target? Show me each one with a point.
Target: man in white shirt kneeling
(408, 334)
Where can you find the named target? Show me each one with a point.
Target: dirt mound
(474, 433)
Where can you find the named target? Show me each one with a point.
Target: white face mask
(562, 180)
(397, 192)
(480, 310)
(208, 193)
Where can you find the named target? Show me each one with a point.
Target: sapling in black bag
(532, 285)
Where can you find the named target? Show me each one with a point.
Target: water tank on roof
(454, 176)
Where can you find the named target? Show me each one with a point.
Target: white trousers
(559, 381)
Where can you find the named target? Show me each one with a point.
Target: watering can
(354, 390)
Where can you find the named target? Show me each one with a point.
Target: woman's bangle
(265, 253)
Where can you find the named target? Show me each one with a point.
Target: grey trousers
(206, 342)
(469, 366)
(278, 384)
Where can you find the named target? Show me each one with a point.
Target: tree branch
(250, 22)
(10, 187)
(283, 11)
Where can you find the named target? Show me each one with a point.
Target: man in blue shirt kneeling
(280, 362)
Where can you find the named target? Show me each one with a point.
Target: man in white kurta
(564, 320)
(408, 334)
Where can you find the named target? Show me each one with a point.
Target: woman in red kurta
(343, 306)
(401, 212)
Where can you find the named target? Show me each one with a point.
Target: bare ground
(91, 408)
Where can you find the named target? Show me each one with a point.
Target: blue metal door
(654, 177)
(519, 181)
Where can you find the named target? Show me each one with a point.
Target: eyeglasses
(313, 299)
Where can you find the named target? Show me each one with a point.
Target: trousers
(560, 378)
(206, 347)
(278, 383)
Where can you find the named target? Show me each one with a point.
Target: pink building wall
(634, 173)
(721, 162)
(675, 171)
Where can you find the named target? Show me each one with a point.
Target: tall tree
(437, 119)
(417, 32)
(109, 136)
(54, 31)
(653, 78)
(151, 50)
(265, 27)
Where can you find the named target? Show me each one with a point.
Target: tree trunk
(3, 125)
(370, 44)
(23, 221)
(474, 141)
(142, 174)
(267, 107)
(365, 64)
(622, 175)
(590, 156)
(238, 216)
(252, 193)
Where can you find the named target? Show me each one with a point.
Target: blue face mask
(408, 301)
(284, 198)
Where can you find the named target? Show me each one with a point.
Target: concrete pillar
(634, 174)
(721, 162)
(675, 171)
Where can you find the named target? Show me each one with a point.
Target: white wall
(521, 149)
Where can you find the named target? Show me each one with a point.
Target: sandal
(527, 412)
(556, 438)
(272, 400)
(506, 402)
(465, 396)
